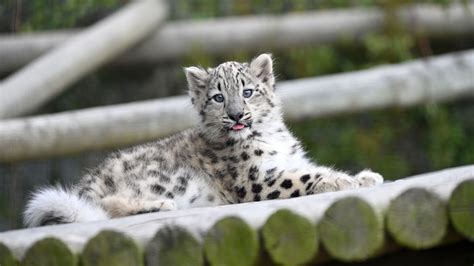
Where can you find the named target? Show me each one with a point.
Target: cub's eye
(218, 98)
(247, 93)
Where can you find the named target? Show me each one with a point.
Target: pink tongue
(237, 127)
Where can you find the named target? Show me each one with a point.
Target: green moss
(290, 239)
(111, 248)
(6, 256)
(231, 242)
(49, 252)
(417, 219)
(461, 208)
(174, 246)
(351, 230)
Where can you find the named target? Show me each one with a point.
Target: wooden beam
(223, 35)
(198, 221)
(50, 74)
(435, 79)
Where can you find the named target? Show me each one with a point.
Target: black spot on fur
(271, 182)
(275, 194)
(169, 195)
(308, 186)
(153, 173)
(164, 179)
(270, 102)
(211, 198)
(256, 198)
(158, 189)
(241, 192)
(219, 174)
(304, 178)
(230, 142)
(179, 190)
(271, 171)
(183, 180)
(256, 188)
(211, 155)
(233, 172)
(258, 152)
(109, 183)
(272, 153)
(244, 156)
(253, 173)
(286, 184)
(296, 193)
(234, 159)
(127, 166)
(194, 198)
(49, 219)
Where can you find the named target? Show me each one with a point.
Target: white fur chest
(283, 151)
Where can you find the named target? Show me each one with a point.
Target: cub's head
(234, 97)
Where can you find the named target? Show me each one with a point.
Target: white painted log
(25, 90)
(219, 36)
(435, 79)
(199, 220)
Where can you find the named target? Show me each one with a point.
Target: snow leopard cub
(240, 151)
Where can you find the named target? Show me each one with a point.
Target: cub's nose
(236, 116)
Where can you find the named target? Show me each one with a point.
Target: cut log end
(290, 239)
(351, 230)
(6, 256)
(461, 208)
(174, 246)
(417, 219)
(111, 248)
(231, 241)
(49, 251)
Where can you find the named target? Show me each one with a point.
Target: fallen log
(220, 36)
(53, 72)
(435, 79)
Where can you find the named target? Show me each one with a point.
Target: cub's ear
(197, 78)
(262, 68)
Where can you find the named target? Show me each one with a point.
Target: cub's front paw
(157, 206)
(367, 178)
(335, 182)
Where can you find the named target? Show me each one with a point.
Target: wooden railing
(419, 212)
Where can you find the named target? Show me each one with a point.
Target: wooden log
(49, 252)
(435, 79)
(220, 36)
(352, 230)
(417, 219)
(231, 241)
(111, 248)
(461, 209)
(289, 238)
(6, 256)
(174, 245)
(198, 221)
(52, 73)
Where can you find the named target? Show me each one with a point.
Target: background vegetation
(394, 142)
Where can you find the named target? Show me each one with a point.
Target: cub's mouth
(239, 126)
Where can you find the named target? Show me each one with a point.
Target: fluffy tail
(55, 205)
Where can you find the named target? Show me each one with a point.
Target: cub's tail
(55, 205)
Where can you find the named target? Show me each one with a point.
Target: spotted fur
(211, 164)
